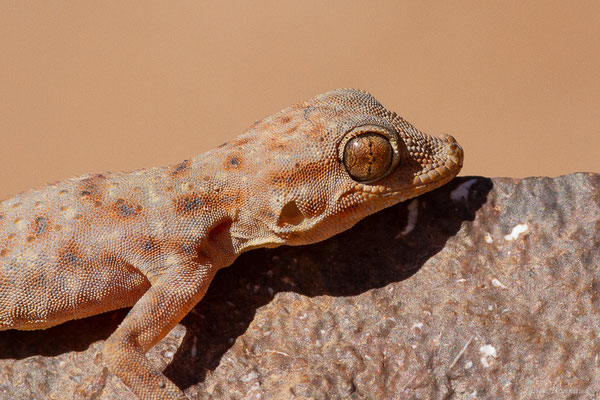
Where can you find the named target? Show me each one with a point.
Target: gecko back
(63, 252)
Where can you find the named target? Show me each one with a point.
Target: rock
(484, 288)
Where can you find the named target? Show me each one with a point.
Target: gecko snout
(453, 150)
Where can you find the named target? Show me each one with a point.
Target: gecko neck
(212, 200)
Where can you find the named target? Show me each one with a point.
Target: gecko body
(153, 239)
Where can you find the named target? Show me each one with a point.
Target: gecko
(153, 239)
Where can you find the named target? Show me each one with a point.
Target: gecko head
(332, 160)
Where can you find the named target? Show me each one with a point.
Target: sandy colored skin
(153, 239)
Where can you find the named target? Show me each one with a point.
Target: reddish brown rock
(484, 289)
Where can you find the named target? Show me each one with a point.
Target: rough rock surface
(485, 288)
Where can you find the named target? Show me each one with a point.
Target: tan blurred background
(105, 86)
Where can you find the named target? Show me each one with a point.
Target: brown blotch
(30, 238)
(291, 130)
(150, 245)
(70, 256)
(234, 161)
(275, 146)
(3, 252)
(220, 229)
(40, 226)
(277, 180)
(241, 142)
(284, 119)
(92, 188)
(126, 210)
(181, 167)
(188, 204)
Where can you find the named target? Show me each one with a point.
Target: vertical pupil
(368, 156)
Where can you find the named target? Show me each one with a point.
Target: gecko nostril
(452, 148)
(448, 138)
(455, 153)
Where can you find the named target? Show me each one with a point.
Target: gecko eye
(368, 156)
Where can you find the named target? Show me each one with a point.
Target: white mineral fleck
(252, 375)
(411, 219)
(487, 351)
(497, 283)
(516, 232)
(488, 238)
(461, 193)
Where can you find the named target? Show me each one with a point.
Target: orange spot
(188, 204)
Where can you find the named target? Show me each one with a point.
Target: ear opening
(290, 214)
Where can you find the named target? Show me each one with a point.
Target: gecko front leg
(172, 295)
